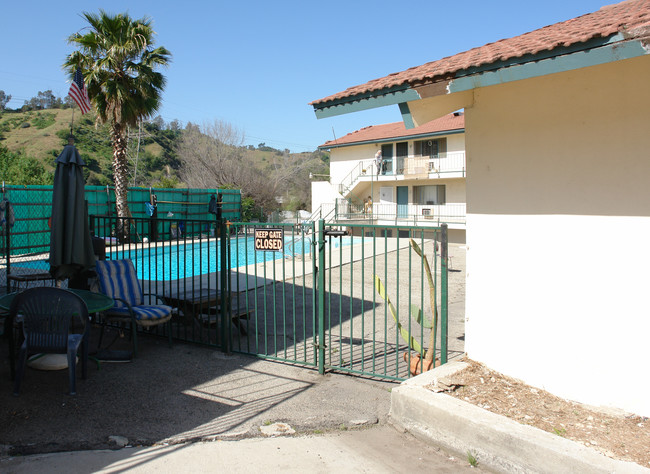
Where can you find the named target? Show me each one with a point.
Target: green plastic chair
(47, 316)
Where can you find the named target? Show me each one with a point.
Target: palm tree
(118, 61)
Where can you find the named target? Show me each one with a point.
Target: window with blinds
(430, 194)
(432, 148)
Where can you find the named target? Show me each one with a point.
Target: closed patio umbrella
(71, 248)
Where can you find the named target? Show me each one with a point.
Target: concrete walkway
(374, 450)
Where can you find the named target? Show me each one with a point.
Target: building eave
(608, 53)
(418, 136)
(591, 53)
(368, 101)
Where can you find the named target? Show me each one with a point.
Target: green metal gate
(272, 297)
(355, 299)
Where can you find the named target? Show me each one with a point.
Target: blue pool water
(192, 259)
(186, 260)
(43, 265)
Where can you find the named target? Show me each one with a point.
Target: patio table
(95, 302)
(192, 302)
(196, 304)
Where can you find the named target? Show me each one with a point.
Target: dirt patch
(618, 436)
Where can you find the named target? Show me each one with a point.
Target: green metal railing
(351, 299)
(321, 306)
(363, 334)
(273, 294)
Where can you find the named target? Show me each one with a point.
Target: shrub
(44, 120)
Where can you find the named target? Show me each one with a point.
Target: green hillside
(42, 134)
(30, 141)
(34, 133)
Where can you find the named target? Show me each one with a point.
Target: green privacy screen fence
(32, 207)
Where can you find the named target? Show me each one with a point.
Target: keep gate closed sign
(271, 240)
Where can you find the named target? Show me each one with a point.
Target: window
(431, 194)
(387, 151)
(402, 151)
(387, 155)
(432, 148)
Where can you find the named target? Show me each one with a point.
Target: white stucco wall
(322, 192)
(456, 143)
(455, 190)
(558, 230)
(344, 159)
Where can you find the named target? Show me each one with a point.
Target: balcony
(443, 165)
(452, 214)
(427, 166)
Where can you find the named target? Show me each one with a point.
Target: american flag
(78, 92)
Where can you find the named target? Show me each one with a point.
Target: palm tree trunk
(120, 172)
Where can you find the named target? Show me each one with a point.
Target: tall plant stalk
(416, 312)
(432, 300)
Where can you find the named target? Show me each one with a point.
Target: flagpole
(72, 121)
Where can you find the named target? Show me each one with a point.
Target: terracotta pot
(417, 367)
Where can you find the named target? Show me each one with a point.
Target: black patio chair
(48, 315)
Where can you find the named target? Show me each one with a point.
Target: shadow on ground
(187, 392)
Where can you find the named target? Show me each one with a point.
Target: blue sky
(257, 64)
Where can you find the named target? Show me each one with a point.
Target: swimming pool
(199, 258)
(43, 265)
(190, 259)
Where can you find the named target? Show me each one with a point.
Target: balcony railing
(451, 162)
(362, 168)
(325, 211)
(432, 214)
(408, 167)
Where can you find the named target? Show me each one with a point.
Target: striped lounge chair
(117, 279)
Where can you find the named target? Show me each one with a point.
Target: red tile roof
(631, 17)
(398, 130)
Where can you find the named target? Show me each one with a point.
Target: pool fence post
(320, 316)
(224, 274)
(443, 293)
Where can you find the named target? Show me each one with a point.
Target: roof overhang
(454, 93)
(614, 50)
(373, 100)
(418, 136)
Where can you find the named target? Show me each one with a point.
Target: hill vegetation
(160, 155)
